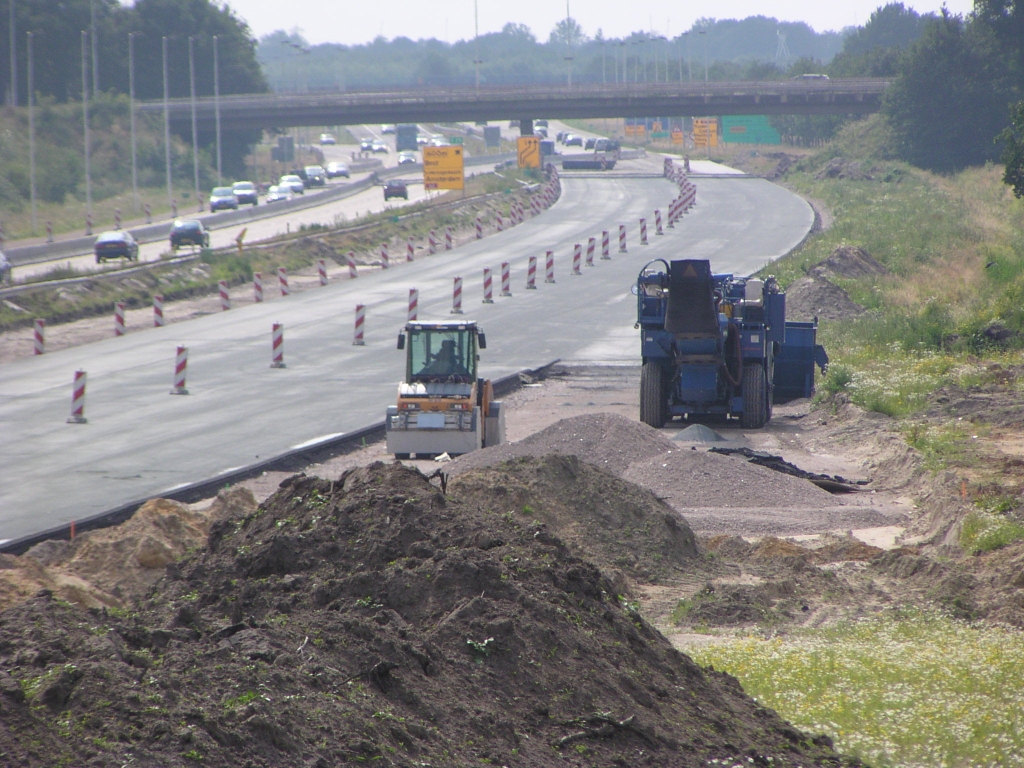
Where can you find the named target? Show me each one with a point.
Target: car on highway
(379, 146)
(541, 123)
(246, 192)
(407, 157)
(439, 141)
(591, 142)
(316, 176)
(116, 244)
(189, 232)
(572, 140)
(560, 136)
(387, 129)
(365, 145)
(223, 198)
(811, 76)
(395, 188)
(293, 183)
(422, 140)
(279, 193)
(328, 138)
(335, 169)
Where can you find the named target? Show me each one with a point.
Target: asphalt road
(142, 441)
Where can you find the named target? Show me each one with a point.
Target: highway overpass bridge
(438, 105)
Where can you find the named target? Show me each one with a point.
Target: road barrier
(457, 296)
(78, 399)
(88, 225)
(550, 267)
(257, 287)
(38, 342)
(321, 268)
(499, 222)
(657, 222)
(410, 250)
(479, 228)
(643, 231)
(432, 243)
(117, 218)
(577, 254)
(119, 318)
(531, 274)
(180, 371)
(49, 231)
(174, 208)
(282, 279)
(357, 338)
(277, 346)
(383, 255)
(225, 298)
(158, 310)
(506, 279)
(414, 304)
(351, 259)
(149, 213)
(606, 244)
(622, 238)
(591, 247)
(488, 287)
(448, 238)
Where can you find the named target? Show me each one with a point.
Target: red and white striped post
(49, 231)
(119, 318)
(448, 238)
(643, 231)
(38, 343)
(534, 205)
(657, 222)
(357, 338)
(174, 208)
(506, 279)
(78, 399)
(606, 244)
(672, 213)
(257, 287)
(622, 238)
(158, 310)
(225, 298)
(88, 224)
(479, 228)
(117, 218)
(550, 267)
(383, 255)
(531, 274)
(432, 243)
(321, 269)
(414, 304)
(667, 167)
(277, 346)
(282, 279)
(499, 222)
(410, 250)
(488, 287)
(577, 255)
(149, 213)
(457, 296)
(180, 371)
(351, 259)
(591, 247)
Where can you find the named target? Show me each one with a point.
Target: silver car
(278, 194)
(293, 183)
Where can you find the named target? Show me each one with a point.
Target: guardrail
(79, 246)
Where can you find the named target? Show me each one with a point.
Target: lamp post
(476, 43)
(704, 35)
(131, 116)
(568, 41)
(85, 121)
(167, 130)
(31, 133)
(14, 59)
(216, 104)
(95, 49)
(195, 143)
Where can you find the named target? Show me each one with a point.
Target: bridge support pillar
(526, 127)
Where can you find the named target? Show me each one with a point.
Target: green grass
(983, 531)
(911, 690)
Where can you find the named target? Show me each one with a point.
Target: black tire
(755, 397)
(653, 395)
(402, 456)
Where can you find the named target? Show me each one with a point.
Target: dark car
(395, 188)
(316, 176)
(591, 142)
(572, 140)
(223, 198)
(116, 245)
(246, 192)
(189, 232)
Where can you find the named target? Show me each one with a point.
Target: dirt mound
(606, 440)
(848, 261)
(111, 566)
(610, 522)
(811, 296)
(372, 619)
(840, 168)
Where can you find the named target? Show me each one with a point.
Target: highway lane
(142, 441)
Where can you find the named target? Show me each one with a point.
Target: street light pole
(568, 40)
(131, 117)
(216, 103)
(14, 59)
(95, 50)
(85, 121)
(167, 131)
(704, 34)
(31, 133)
(195, 142)
(476, 42)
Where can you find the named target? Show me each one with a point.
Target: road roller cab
(443, 407)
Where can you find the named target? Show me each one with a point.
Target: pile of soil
(816, 297)
(111, 567)
(850, 262)
(373, 619)
(840, 168)
(610, 522)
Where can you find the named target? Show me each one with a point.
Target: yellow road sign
(443, 168)
(705, 129)
(677, 136)
(529, 152)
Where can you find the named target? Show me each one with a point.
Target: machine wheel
(403, 456)
(755, 397)
(653, 408)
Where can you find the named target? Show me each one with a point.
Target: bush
(985, 531)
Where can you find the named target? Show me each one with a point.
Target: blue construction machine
(719, 345)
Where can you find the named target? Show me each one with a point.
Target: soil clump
(373, 619)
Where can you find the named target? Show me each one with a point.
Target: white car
(407, 157)
(387, 129)
(327, 138)
(279, 194)
(293, 183)
(378, 146)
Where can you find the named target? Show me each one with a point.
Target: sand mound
(607, 520)
(373, 620)
(811, 297)
(848, 261)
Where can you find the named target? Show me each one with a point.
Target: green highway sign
(454, 139)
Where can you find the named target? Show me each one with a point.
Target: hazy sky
(327, 21)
